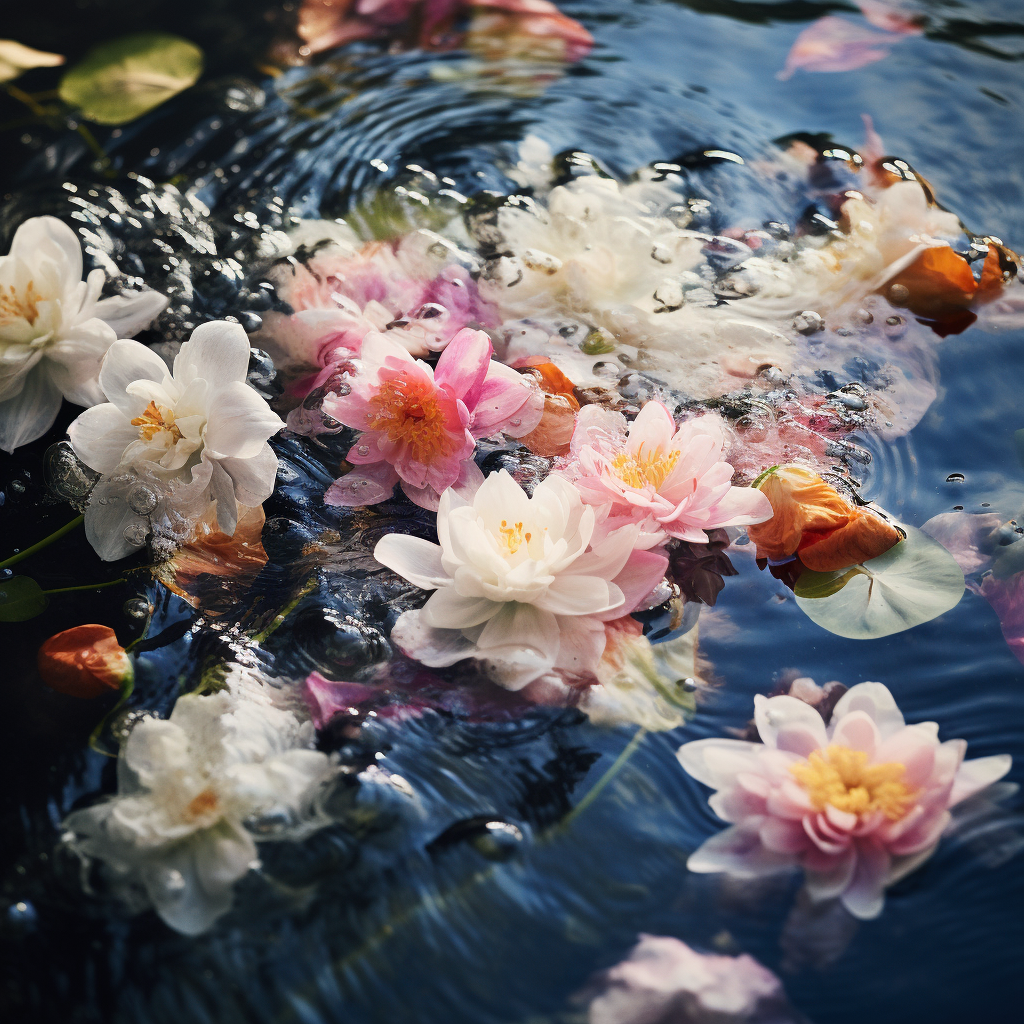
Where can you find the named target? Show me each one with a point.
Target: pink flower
(857, 805)
(339, 296)
(419, 424)
(673, 482)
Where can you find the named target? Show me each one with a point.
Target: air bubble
(16, 487)
(142, 500)
(899, 294)
(135, 534)
(137, 608)
(955, 478)
(808, 322)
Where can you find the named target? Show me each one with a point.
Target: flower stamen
(841, 777)
(642, 470)
(512, 536)
(410, 415)
(15, 306)
(203, 804)
(153, 420)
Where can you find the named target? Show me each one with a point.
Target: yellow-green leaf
(123, 79)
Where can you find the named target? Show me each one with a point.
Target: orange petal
(938, 281)
(801, 503)
(213, 568)
(552, 435)
(86, 661)
(865, 536)
(549, 377)
(1000, 265)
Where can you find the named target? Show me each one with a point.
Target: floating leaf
(21, 598)
(123, 79)
(911, 583)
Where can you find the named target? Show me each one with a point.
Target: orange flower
(813, 520)
(939, 282)
(554, 432)
(213, 568)
(86, 661)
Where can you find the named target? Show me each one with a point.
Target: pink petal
(975, 775)
(739, 851)
(365, 486)
(462, 368)
(783, 836)
(863, 896)
(858, 731)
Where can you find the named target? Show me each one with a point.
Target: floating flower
(835, 44)
(813, 520)
(664, 981)
(414, 288)
(672, 482)
(16, 58)
(857, 805)
(201, 427)
(420, 424)
(519, 582)
(85, 661)
(194, 793)
(55, 328)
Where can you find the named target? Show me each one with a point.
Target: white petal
(877, 701)
(48, 237)
(31, 412)
(521, 626)
(100, 436)
(716, 762)
(973, 776)
(124, 363)
(253, 478)
(437, 648)
(782, 714)
(413, 558)
(447, 609)
(240, 422)
(131, 311)
(217, 351)
(580, 595)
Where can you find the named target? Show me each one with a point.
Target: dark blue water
(378, 920)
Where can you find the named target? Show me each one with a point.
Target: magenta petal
(463, 365)
(364, 486)
(326, 699)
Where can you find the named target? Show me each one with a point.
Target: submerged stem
(44, 543)
(92, 586)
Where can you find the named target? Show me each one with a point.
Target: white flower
(55, 328)
(516, 582)
(201, 426)
(192, 790)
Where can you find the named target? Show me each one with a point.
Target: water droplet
(142, 500)
(808, 322)
(607, 370)
(174, 881)
(342, 389)
(429, 310)
(955, 478)
(895, 327)
(16, 487)
(899, 294)
(363, 450)
(135, 534)
(863, 316)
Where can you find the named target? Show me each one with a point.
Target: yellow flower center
(155, 419)
(513, 537)
(410, 414)
(642, 470)
(843, 778)
(15, 306)
(202, 805)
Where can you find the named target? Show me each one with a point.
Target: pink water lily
(858, 804)
(672, 481)
(420, 424)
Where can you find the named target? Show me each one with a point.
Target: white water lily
(55, 328)
(516, 581)
(195, 792)
(200, 429)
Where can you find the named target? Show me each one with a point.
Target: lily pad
(123, 79)
(21, 598)
(913, 582)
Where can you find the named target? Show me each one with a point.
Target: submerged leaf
(913, 582)
(123, 79)
(21, 598)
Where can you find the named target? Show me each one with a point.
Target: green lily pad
(21, 598)
(914, 581)
(123, 79)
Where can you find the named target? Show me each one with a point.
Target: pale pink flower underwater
(671, 481)
(858, 805)
(419, 424)
(664, 981)
(339, 296)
